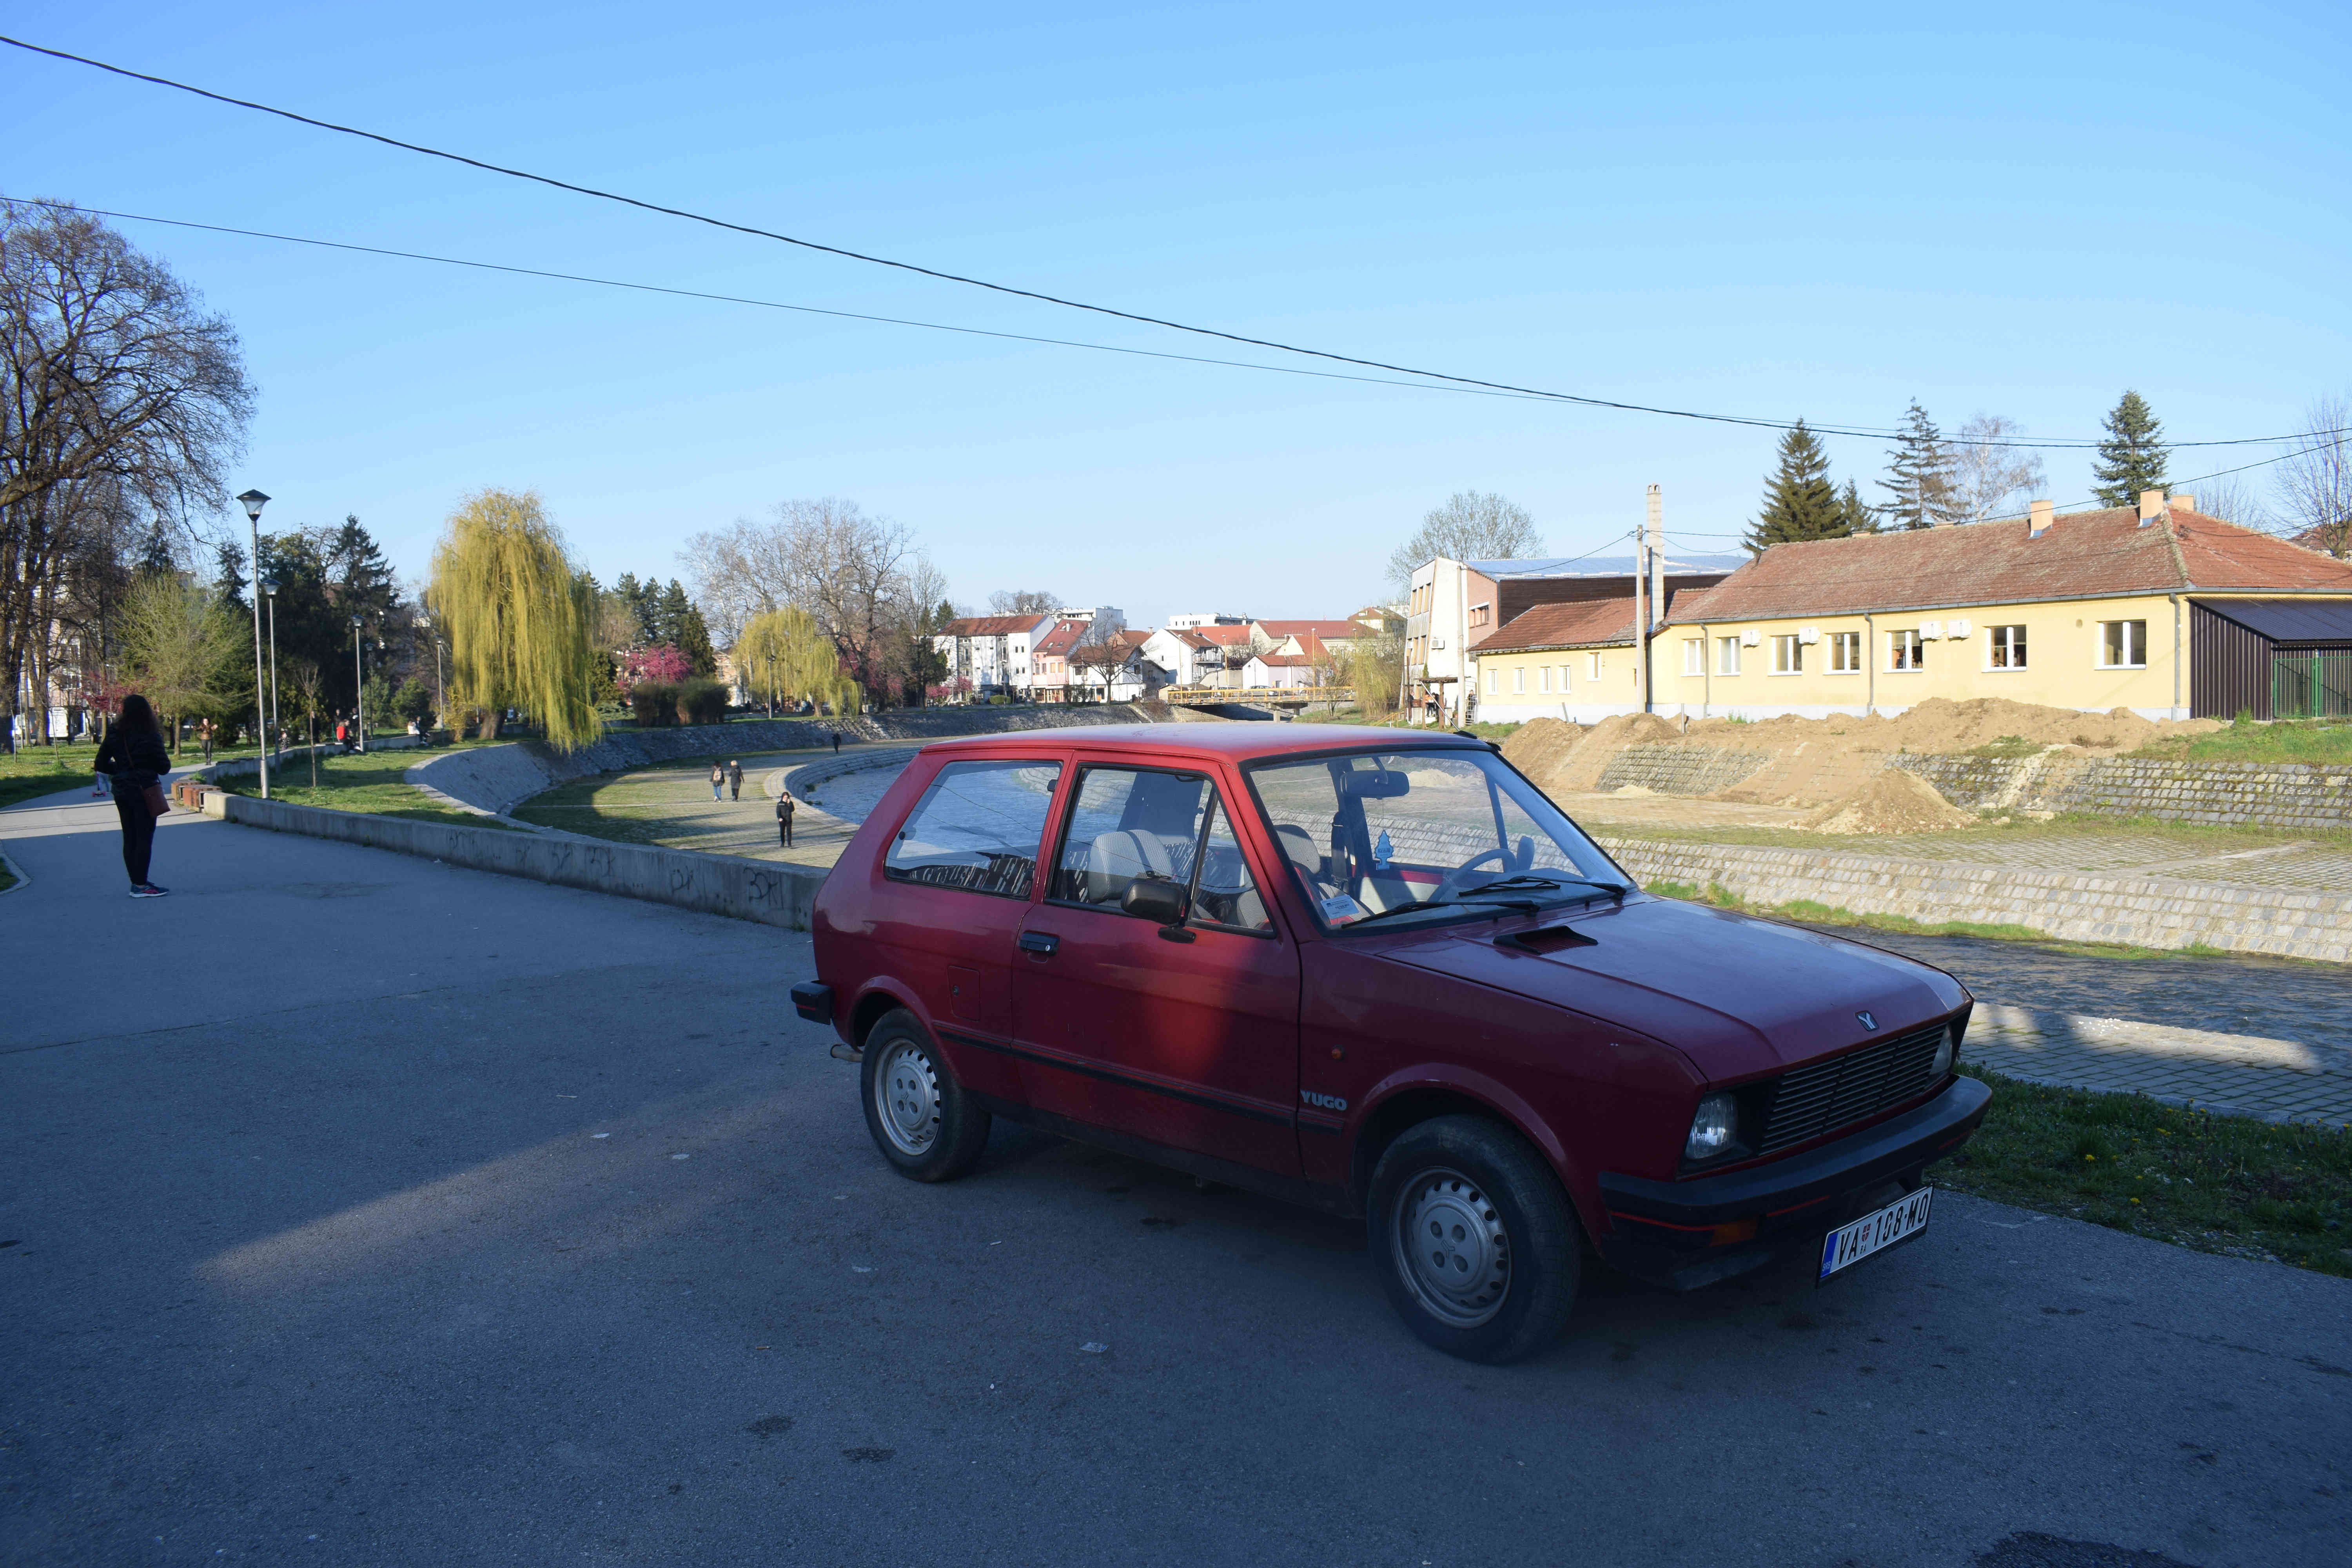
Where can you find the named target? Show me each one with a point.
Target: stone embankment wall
(494, 780)
(2072, 905)
(768, 892)
(2292, 796)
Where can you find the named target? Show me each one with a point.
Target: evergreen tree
(229, 584)
(365, 584)
(155, 556)
(643, 601)
(670, 610)
(2132, 456)
(1857, 514)
(1799, 500)
(693, 641)
(1921, 474)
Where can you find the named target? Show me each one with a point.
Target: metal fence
(2311, 685)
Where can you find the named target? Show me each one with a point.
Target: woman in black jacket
(134, 758)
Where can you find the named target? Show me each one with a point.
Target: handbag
(156, 804)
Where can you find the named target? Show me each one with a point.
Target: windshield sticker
(1339, 909)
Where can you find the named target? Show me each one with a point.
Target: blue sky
(2019, 210)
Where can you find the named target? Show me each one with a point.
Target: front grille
(1823, 1096)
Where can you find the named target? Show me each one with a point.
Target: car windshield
(1393, 835)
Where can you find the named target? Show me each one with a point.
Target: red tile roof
(1224, 637)
(991, 626)
(1060, 639)
(1581, 623)
(2084, 554)
(1328, 630)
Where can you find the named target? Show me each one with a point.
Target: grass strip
(1805, 911)
(372, 784)
(2212, 1183)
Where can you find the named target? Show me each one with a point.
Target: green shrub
(701, 703)
(654, 702)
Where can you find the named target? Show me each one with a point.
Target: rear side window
(977, 827)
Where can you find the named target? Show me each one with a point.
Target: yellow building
(2157, 609)
(1574, 661)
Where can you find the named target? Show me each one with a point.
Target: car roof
(1235, 741)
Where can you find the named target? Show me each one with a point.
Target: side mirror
(1153, 898)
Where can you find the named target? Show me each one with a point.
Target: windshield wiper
(1499, 906)
(1522, 880)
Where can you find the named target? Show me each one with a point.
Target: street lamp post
(253, 501)
(440, 695)
(270, 586)
(358, 687)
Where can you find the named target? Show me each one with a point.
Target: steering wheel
(1451, 883)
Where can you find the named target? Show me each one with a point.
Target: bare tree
(2315, 483)
(1988, 477)
(2232, 499)
(857, 575)
(1470, 526)
(1023, 601)
(114, 384)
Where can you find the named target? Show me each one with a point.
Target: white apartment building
(991, 652)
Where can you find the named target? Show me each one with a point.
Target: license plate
(1843, 1247)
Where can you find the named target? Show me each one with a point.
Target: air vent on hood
(1544, 939)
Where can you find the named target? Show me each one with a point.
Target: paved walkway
(367, 1211)
(671, 807)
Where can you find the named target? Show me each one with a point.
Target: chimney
(2038, 523)
(2151, 507)
(2180, 503)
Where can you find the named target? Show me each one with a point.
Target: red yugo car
(1380, 973)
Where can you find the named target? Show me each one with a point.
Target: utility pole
(1640, 620)
(1653, 551)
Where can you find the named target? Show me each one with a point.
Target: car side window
(977, 828)
(1128, 824)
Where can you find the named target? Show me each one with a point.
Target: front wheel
(917, 1113)
(1473, 1239)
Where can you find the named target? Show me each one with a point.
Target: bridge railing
(1208, 696)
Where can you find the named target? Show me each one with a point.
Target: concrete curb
(801, 781)
(2072, 905)
(766, 892)
(22, 881)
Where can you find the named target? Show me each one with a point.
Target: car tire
(917, 1114)
(1473, 1239)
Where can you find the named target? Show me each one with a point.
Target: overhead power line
(691, 216)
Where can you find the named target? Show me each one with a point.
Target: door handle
(1040, 942)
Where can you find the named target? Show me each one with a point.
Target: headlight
(1947, 1053)
(1714, 1130)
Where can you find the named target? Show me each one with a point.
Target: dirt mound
(1892, 802)
(1538, 746)
(1580, 771)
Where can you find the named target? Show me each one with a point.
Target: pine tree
(643, 601)
(229, 582)
(365, 584)
(669, 614)
(2132, 457)
(693, 641)
(1799, 500)
(1920, 475)
(1857, 514)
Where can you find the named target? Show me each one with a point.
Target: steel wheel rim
(1450, 1248)
(907, 1096)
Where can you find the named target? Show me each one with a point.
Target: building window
(1563, 680)
(1543, 678)
(1845, 653)
(1519, 681)
(1592, 666)
(1478, 614)
(1788, 654)
(1726, 656)
(1490, 683)
(1904, 651)
(2008, 647)
(1694, 655)
(2123, 645)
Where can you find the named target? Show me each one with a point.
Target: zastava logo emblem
(1866, 1020)
(1326, 1101)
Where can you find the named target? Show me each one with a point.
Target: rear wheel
(917, 1113)
(1473, 1239)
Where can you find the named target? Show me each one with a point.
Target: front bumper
(1691, 1232)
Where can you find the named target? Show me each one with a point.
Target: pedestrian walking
(784, 818)
(836, 742)
(735, 781)
(717, 780)
(208, 740)
(133, 760)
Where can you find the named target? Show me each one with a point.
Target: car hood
(1737, 994)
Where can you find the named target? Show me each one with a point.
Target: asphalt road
(317, 1255)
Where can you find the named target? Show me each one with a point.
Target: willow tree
(519, 620)
(786, 653)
